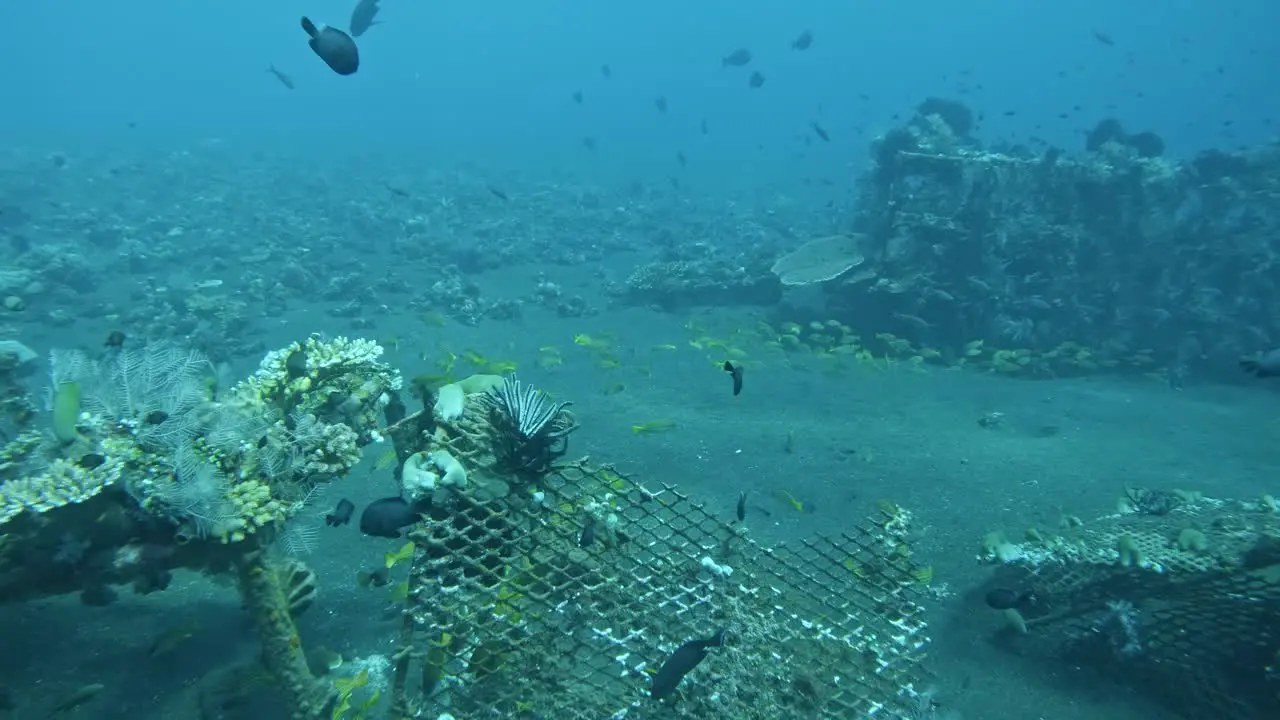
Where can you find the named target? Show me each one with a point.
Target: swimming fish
(1006, 599)
(588, 533)
(682, 661)
(341, 514)
(394, 411)
(742, 505)
(362, 18)
(81, 696)
(385, 517)
(737, 58)
(115, 340)
(803, 41)
(736, 372)
(660, 102)
(756, 80)
(820, 132)
(1263, 365)
(285, 80)
(334, 47)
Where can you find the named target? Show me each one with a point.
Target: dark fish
(362, 18)
(1263, 365)
(334, 47)
(98, 596)
(90, 461)
(498, 193)
(396, 191)
(737, 58)
(115, 340)
(1006, 599)
(285, 80)
(588, 533)
(385, 517)
(341, 514)
(295, 366)
(736, 372)
(680, 158)
(682, 661)
(660, 102)
(742, 505)
(395, 410)
(577, 96)
(803, 41)
(155, 417)
(589, 143)
(820, 132)
(606, 71)
(1104, 38)
(756, 80)
(373, 578)
(703, 127)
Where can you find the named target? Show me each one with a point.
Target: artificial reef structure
(1173, 594)
(538, 586)
(1117, 258)
(1033, 262)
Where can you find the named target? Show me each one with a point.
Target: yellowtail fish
(653, 426)
(404, 553)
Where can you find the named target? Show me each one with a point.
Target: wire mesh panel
(569, 606)
(1177, 596)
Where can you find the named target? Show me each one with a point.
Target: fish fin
(309, 26)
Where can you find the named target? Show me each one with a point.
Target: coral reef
(159, 470)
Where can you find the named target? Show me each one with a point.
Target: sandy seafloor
(859, 435)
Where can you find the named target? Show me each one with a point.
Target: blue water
(158, 126)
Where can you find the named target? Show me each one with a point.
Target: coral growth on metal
(517, 609)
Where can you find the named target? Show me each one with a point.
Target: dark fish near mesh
(681, 663)
(386, 517)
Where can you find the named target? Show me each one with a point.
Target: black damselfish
(682, 661)
(334, 47)
(736, 372)
(341, 514)
(385, 517)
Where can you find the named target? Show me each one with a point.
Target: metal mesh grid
(509, 616)
(1197, 630)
